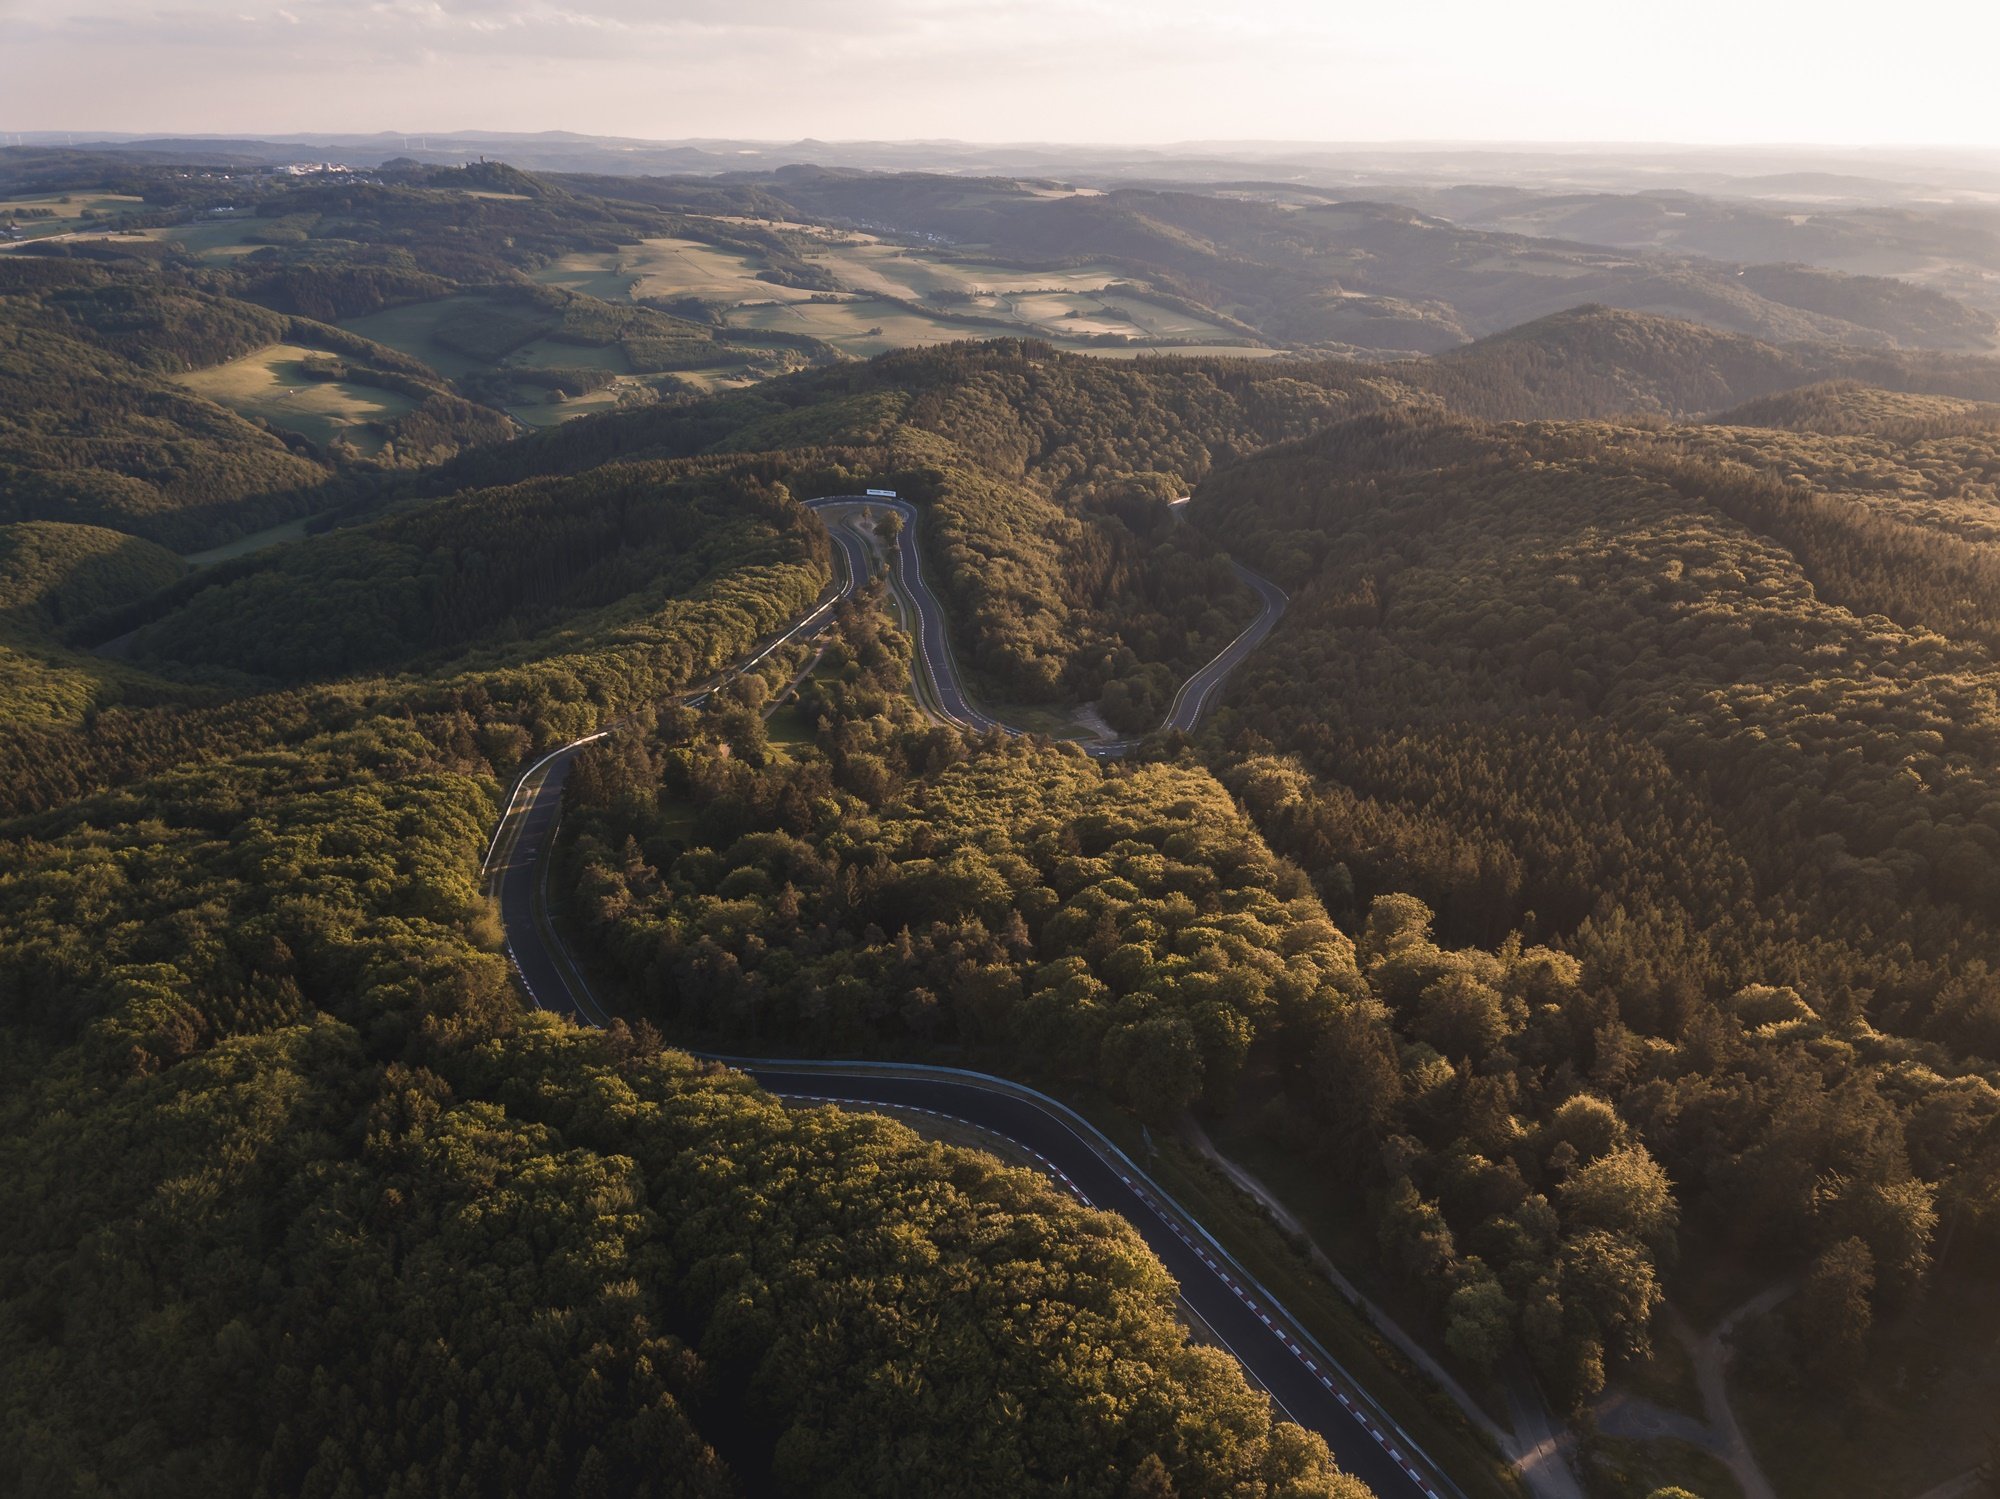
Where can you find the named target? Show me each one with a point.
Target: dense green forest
(387, 1232)
(309, 1204)
(1123, 929)
(1707, 711)
(599, 557)
(1643, 768)
(1591, 882)
(55, 578)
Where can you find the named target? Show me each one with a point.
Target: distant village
(16, 222)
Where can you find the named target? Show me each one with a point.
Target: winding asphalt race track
(934, 660)
(1193, 698)
(1305, 1381)
(938, 667)
(1307, 1384)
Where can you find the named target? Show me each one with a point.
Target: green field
(216, 239)
(861, 327)
(68, 210)
(556, 354)
(412, 329)
(666, 268)
(1086, 313)
(1069, 305)
(212, 239)
(270, 383)
(872, 265)
(550, 413)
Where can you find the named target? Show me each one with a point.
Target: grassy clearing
(256, 541)
(270, 383)
(216, 239)
(66, 211)
(1084, 314)
(666, 268)
(720, 378)
(594, 275)
(412, 329)
(873, 265)
(1071, 314)
(788, 727)
(863, 327)
(552, 353)
(553, 413)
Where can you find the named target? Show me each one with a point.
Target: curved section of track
(1198, 690)
(1307, 1384)
(933, 661)
(937, 666)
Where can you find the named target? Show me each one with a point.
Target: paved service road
(1304, 1381)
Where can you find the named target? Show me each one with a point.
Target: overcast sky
(1828, 71)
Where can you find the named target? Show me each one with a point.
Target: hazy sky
(1830, 71)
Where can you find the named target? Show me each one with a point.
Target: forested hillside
(1325, 272)
(1707, 711)
(1640, 767)
(56, 578)
(1045, 474)
(311, 334)
(1587, 890)
(95, 429)
(308, 1203)
(601, 555)
(1045, 479)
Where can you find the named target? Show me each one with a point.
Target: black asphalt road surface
(934, 657)
(939, 667)
(1196, 692)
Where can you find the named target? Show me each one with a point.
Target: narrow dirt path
(1711, 1354)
